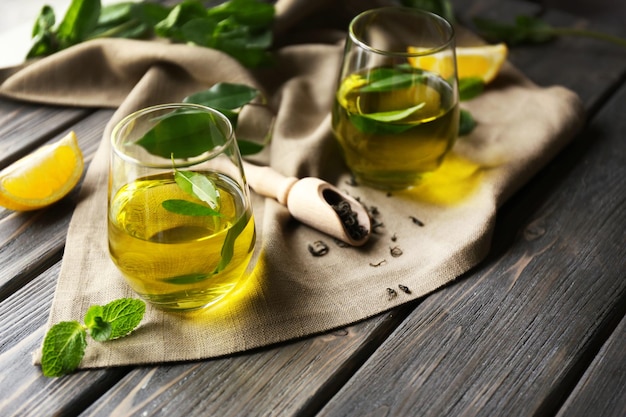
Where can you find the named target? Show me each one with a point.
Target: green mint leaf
(373, 127)
(253, 13)
(188, 208)
(392, 116)
(63, 348)
(526, 29)
(79, 21)
(228, 248)
(183, 134)
(187, 279)
(466, 123)
(91, 315)
(199, 186)
(182, 13)
(441, 7)
(390, 79)
(124, 315)
(44, 23)
(100, 330)
(224, 96)
(470, 88)
(247, 147)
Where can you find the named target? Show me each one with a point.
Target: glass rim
(205, 156)
(423, 52)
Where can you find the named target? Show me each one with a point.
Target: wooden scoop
(314, 202)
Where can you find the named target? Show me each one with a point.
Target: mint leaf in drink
(229, 99)
(65, 343)
(188, 208)
(63, 348)
(183, 134)
(198, 186)
(392, 116)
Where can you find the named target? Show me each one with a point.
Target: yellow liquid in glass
(174, 261)
(395, 154)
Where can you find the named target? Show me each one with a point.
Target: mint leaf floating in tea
(392, 116)
(188, 208)
(199, 186)
(65, 343)
(466, 123)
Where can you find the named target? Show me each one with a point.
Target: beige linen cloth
(290, 293)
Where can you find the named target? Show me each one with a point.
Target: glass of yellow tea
(180, 224)
(396, 110)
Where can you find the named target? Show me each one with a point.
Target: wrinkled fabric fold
(290, 293)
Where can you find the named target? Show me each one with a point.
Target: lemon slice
(482, 62)
(42, 177)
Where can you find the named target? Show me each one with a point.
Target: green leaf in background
(470, 88)
(45, 21)
(224, 96)
(247, 147)
(188, 208)
(252, 13)
(198, 186)
(63, 348)
(44, 39)
(466, 123)
(79, 21)
(183, 134)
(182, 13)
(441, 7)
(526, 29)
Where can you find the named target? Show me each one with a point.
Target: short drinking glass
(180, 224)
(396, 109)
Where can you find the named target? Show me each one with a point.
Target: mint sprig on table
(65, 343)
(240, 28)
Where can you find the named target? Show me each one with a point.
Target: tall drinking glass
(396, 109)
(180, 224)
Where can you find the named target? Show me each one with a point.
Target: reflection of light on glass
(455, 180)
(231, 305)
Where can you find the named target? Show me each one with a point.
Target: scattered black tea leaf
(373, 211)
(391, 293)
(318, 248)
(389, 194)
(416, 221)
(377, 225)
(394, 237)
(395, 251)
(404, 288)
(375, 265)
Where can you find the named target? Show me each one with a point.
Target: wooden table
(537, 329)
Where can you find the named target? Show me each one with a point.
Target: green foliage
(240, 28)
(65, 343)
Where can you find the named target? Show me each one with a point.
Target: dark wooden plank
(32, 241)
(291, 379)
(24, 391)
(24, 127)
(602, 390)
(513, 337)
(582, 64)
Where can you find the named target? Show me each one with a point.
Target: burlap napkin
(424, 238)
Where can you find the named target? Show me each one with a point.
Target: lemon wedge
(42, 177)
(483, 62)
